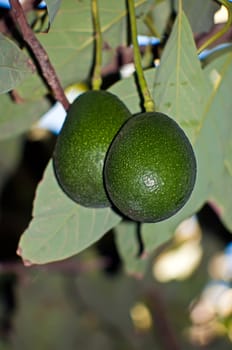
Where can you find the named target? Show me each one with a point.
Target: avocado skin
(150, 169)
(90, 126)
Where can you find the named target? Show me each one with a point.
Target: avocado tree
(48, 51)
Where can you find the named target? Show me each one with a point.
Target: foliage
(194, 93)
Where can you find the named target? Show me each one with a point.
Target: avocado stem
(225, 28)
(96, 77)
(148, 102)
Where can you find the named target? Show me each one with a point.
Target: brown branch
(39, 52)
(67, 266)
(166, 333)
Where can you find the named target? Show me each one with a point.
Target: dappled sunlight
(211, 314)
(141, 317)
(221, 15)
(183, 256)
(211, 311)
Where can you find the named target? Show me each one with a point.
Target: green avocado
(89, 128)
(150, 168)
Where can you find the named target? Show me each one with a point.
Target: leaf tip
(26, 262)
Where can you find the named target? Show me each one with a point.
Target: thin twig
(39, 52)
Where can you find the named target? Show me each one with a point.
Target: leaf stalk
(221, 32)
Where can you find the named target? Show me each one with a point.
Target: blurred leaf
(49, 299)
(200, 13)
(126, 237)
(52, 7)
(88, 311)
(10, 155)
(43, 301)
(60, 228)
(15, 118)
(14, 65)
(112, 298)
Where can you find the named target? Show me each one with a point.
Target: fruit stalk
(96, 78)
(148, 102)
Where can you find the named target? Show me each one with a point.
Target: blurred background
(184, 300)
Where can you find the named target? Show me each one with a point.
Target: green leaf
(180, 86)
(14, 65)
(52, 7)
(126, 238)
(218, 126)
(60, 228)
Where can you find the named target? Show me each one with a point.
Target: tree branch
(39, 52)
(67, 266)
(167, 334)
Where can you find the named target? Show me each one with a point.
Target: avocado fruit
(150, 168)
(92, 121)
